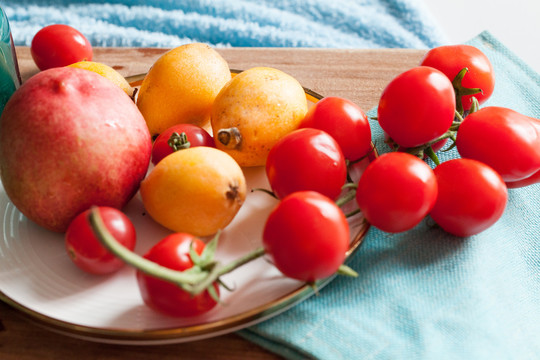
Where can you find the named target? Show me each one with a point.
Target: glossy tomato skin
(86, 251)
(502, 138)
(196, 136)
(417, 106)
(345, 122)
(396, 191)
(451, 59)
(306, 236)
(59, 45)
(472, 197)
(173, 252)
(306, 159)
(533, 179)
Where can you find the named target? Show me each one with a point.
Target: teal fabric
(425, 294)
(269, 23)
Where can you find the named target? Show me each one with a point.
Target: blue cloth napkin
(263, 23)
(425, 294)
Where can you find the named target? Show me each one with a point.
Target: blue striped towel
(246, 23)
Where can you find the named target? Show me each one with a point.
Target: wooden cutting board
(359, 75)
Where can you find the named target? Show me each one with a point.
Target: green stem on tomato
(178, 141)
(475, 106)
(350, 195)
(370, 152)
(352, 213)
(460, 90)
(193, 280)
(347, 271)
(414, 150)
(431, 154)
(218, 271)
(184, 279)
(459, 118)
(269, 192)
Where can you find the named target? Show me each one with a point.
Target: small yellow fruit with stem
(107, 72)
(198, 190)
(181, 86)
(254, 110)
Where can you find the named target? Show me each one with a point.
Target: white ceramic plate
(38, 278)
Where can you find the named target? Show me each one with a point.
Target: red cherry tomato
(345, 122)
(306, 236)
(533, 179)
(59, 45)
(86, 251)
(472, 197)
(502, 138)
(173, 252)
(396, 191)
(417, 106)
(451, 59)
(195, 135)
(306, 159)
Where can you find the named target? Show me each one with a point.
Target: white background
(516, 23)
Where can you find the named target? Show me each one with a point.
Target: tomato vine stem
(205, 272)
(460, 90)
(218, 270)
(185, 279)
(194, 280)
(348, 196)
(269, 192)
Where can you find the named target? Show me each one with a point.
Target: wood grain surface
(359, 75)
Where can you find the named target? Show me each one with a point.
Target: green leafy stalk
(348, 196)
(347, 271)
(269, 192)
(185, 279)
(460, 90)
(426, 148)
(475, 106)
(194, 280)
(218, 271)
(178, 141)
(205, 272)
(431, 154)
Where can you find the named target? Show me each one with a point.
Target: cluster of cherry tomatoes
(419, 111)
(309, 171)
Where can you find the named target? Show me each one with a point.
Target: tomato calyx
(178, 141)
(204, 273)
(461, 90)
(194, 280)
